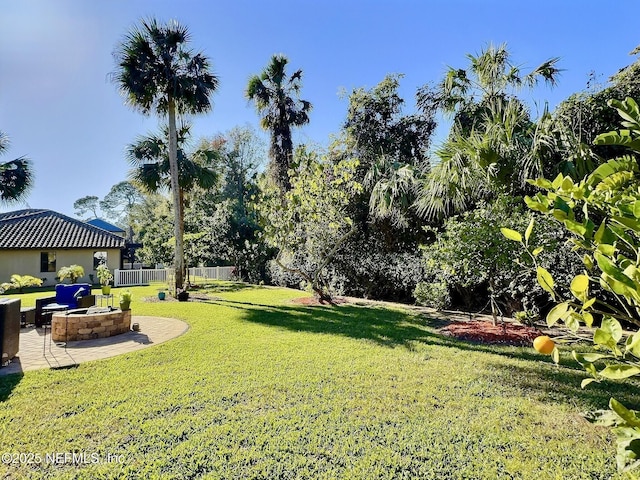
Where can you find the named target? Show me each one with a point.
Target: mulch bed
(315, 302)
(505, 333)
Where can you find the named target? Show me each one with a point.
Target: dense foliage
(310, 221)
(473, 265)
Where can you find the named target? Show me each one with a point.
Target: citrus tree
(309, 221)
(603, 213)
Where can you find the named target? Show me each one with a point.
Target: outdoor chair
(77, 295)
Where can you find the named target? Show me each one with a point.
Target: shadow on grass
(388, 327)
(8, 383)
(563, 383)
(395, 328)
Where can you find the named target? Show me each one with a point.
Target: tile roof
(36, 228)
(109, 227)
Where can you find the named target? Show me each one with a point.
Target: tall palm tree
(493, 144)
(276, 97)
(16, 176)
(157, 72)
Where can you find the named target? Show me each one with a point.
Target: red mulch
(485, 332)
(315, 302)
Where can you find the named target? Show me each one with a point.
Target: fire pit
(88, 323)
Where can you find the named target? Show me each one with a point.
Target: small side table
(107, 299)
(48, 311)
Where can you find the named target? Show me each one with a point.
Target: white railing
(126, 278)
(211, 273)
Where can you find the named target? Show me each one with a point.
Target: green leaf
(579, 285)
(605, 249)
(631, 223)
(623, 412)
(587, 318)
(588, 262)
(602, 337)
(536, 206)
(633, 344)
(545, 280)
(618, 372)
(586, 382)
(573, 322)
(557, 313)
(567, 183)
(537, 251)
(528, 231)
(557, 182)
(511, 234)
(555, 355)
(608, 267)
(588, 303)
(575, 227)
(611, 325)
(588, 357)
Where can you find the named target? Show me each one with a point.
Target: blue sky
(59, 108)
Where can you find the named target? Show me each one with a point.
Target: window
(47, 261)
(98, 258)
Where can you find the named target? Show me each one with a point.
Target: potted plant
(125, 300)
(161, 294)
(104, 277)
(182, 295)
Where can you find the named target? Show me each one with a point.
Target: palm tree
(276, 97)
(157, 72)
(149, 157)
(493, 144)
(16, 176)
(490, 79)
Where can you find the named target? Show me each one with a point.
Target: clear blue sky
(59, 108)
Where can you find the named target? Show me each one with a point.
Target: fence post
(116, 277)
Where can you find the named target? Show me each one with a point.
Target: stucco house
(39, 242)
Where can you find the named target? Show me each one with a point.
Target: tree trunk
(178, 222)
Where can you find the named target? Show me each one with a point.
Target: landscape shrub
(20, 282)
(476, 263)
(72, 272)
(433, 294)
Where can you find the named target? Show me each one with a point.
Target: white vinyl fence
(127, 278)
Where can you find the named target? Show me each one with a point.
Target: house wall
(27, 262)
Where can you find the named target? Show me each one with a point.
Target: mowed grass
(263, 388)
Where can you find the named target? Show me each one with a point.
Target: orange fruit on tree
(544, 344)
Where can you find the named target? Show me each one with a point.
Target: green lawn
(261, 388)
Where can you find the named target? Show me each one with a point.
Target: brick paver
(38, 351)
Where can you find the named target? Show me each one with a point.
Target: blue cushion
(66, 294)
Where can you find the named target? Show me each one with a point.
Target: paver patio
(37, 351)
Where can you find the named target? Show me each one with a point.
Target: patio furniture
(27, 316)
(9, 329)
(47, 315)
(77, 295)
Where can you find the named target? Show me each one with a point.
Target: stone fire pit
(88, 323)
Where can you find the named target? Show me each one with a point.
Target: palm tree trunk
(178, 223)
